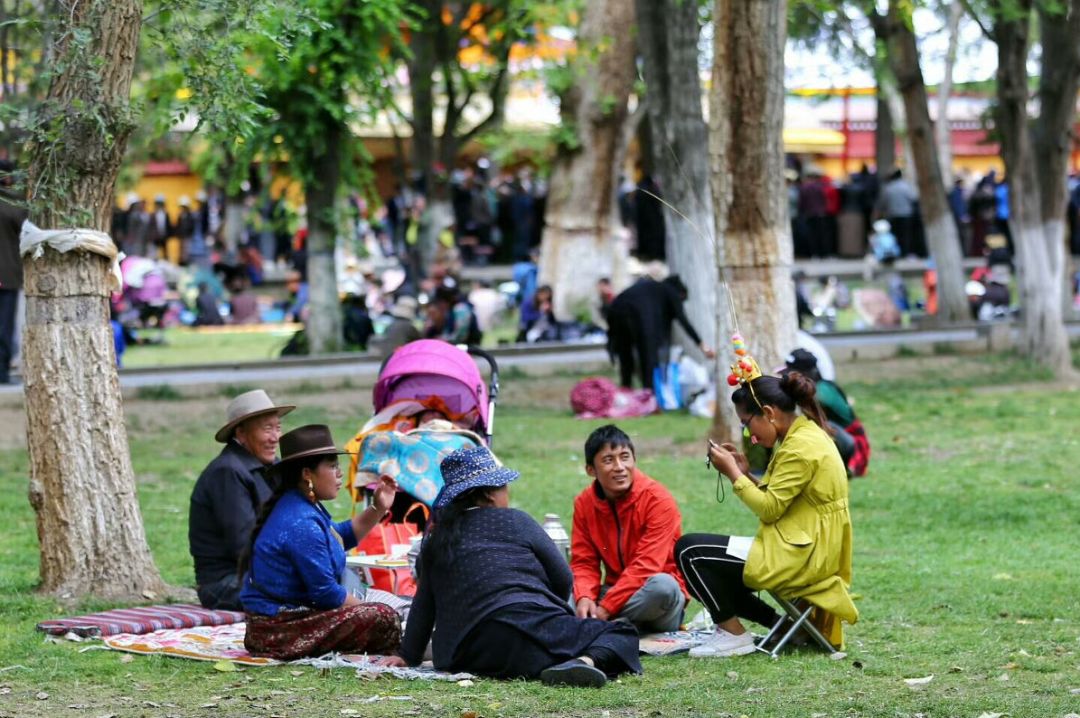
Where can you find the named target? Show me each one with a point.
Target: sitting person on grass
(627, 524)
(803, 545)
(844, 426)
(496, 586)
(227, 496)
(294, 573)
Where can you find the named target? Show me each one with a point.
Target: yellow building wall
(172, 186)
(976, 166)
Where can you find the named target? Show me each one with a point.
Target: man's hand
(391, 662)
(602, 613)
(586, 608)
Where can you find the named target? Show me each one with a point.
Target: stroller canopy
(429, 367)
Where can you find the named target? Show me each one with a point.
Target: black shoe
(574, 672)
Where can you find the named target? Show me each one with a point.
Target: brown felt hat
(305, 441)
(248, 405)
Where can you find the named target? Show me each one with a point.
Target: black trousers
(716, 579)
(9, 301)
(521, 640)
(631, 349)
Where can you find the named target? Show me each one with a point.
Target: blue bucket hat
(470, 469)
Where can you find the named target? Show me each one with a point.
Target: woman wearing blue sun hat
(497, 587)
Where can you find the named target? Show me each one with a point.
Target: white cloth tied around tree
(33, 240)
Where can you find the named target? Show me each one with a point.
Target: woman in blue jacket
(293, 573)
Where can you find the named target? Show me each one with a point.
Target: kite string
(702, 235)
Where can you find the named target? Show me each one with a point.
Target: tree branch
(498, 101)
(987, 31)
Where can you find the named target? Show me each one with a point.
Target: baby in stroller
(430, 400)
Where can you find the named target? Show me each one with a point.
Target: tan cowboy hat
(244, 407)
(305, 441)
(405, 308)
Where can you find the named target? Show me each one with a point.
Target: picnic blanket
(665, 644)
(141, 619)
(226, 643)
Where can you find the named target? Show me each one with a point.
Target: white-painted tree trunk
(82, 485)
(746, 117)
(668, 43)
(942, 131)
(942, 236)
(580, 243)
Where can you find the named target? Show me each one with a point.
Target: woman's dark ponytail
(802, 391)
(785, 393)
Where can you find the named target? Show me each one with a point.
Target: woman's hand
(384, 494)
(724, 461)
(391, 662)
(740, 458)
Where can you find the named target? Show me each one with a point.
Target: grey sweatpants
(657, 606)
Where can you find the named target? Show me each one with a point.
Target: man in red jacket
(627, 524)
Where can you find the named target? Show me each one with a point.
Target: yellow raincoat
(803, 544)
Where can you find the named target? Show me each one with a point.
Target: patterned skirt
(300, 633)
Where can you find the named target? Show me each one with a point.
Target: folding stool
(796, 618)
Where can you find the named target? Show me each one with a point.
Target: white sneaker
(722, 644)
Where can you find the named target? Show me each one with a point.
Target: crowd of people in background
(203, 264)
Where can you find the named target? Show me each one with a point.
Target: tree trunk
(324, 328)
(82, 485)
(941, 232)
(884, 138)
(746, 118)
(421, 89)
(1053, 133)
(668, 42)
(942, 130)
(579, 245)
(1038, 239)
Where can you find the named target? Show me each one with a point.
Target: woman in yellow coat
(803, 544)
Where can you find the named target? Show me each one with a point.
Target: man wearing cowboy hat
(227, 496)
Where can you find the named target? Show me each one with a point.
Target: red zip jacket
(634, 538)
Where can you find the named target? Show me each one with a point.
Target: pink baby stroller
(430, 400)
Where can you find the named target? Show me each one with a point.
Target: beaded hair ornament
(745, 369)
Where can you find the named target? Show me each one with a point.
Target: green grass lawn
(183, 346)
(965, 561)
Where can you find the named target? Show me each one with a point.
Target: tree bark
(942, 130)
(1053, 130)
(579, 245)
(746, 117)
(1036, 211)
(884, 138)
(324, 326)
(82, 485)
(668, 43)
(941, 232)
(421, 89)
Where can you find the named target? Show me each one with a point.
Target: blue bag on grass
(666, 386)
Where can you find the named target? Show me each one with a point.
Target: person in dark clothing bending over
(226, 499)
(639, 323)
(497, 587)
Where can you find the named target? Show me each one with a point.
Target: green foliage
(510, 148)
(328, 75)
